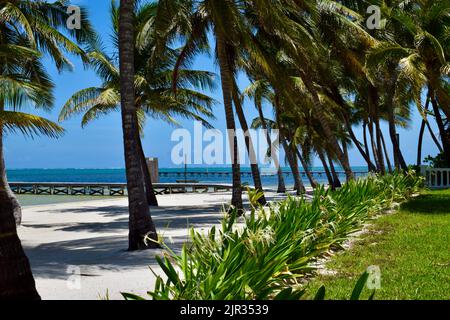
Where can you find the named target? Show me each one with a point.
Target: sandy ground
(78, 250)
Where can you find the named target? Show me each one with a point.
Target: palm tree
(27, 29)
(153, 86)
(232, 34)
(30, 84)
(142, 231)
(259, 91)
(416, 47)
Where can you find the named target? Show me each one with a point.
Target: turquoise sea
(168, 175)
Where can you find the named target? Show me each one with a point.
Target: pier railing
(110, 189)
(436, 178)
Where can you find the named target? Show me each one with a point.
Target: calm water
(118, 175)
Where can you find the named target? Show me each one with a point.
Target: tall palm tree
(142, 232)
(29, 85)
(232, 33)
(27, 29)
(153, 85)
(259, 91)
(416, 47)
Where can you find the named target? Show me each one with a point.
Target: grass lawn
(411, 247)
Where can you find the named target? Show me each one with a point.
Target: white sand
(91, 237)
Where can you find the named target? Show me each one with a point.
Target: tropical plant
(269, 255)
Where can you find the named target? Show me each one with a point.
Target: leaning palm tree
(28, 84)
(27, 29)
(154, 96)
(233, 35)
(260, 90)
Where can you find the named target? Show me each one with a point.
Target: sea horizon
(167, 175)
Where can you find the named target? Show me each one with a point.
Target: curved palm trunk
(226, 76)
(445, 136)
(141, 227)
(422, 132)
(298, 183)
(430, 130)
(329, 135)
(327, 170)
(249, 145)
(379, 145)
(374, 146)
(292, 159)
(281, 184)
(336, 182)
(364, 153)
(420, 143)
(386, 154)
(366, 147)
(16, 278)
(312, 181)
(399, 161)
(149, 191)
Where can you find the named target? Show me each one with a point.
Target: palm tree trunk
(298, 183)
(433, 136)
(374, 146)
(281, 184)
(327, 170)
(308, 173)
(336, 182)
(399, 161)
(373, 99)
(379, 145)
(226, 76)
(141, 227)
(386, 154)
(363, 152)
(366, 147)
(445, 136)
(329, 135)
(149, 191)
(16, 278)
(249, 145)
(420, 143)
(426, 123)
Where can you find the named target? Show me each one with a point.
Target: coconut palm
(23, 81)
(233, 33)
(142, 232)
(259, 91)
(154, 96)
(415, 51)
(28, 30)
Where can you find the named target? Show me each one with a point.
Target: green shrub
(266, 254)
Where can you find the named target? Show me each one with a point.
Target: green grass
(411, 247)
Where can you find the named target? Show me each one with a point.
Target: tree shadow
(101, 245)
(428, 204)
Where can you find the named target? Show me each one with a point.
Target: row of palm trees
(314, 62)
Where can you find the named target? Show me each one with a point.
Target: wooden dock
(199, 174)
(110, 189)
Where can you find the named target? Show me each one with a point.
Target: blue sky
(99, 145)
